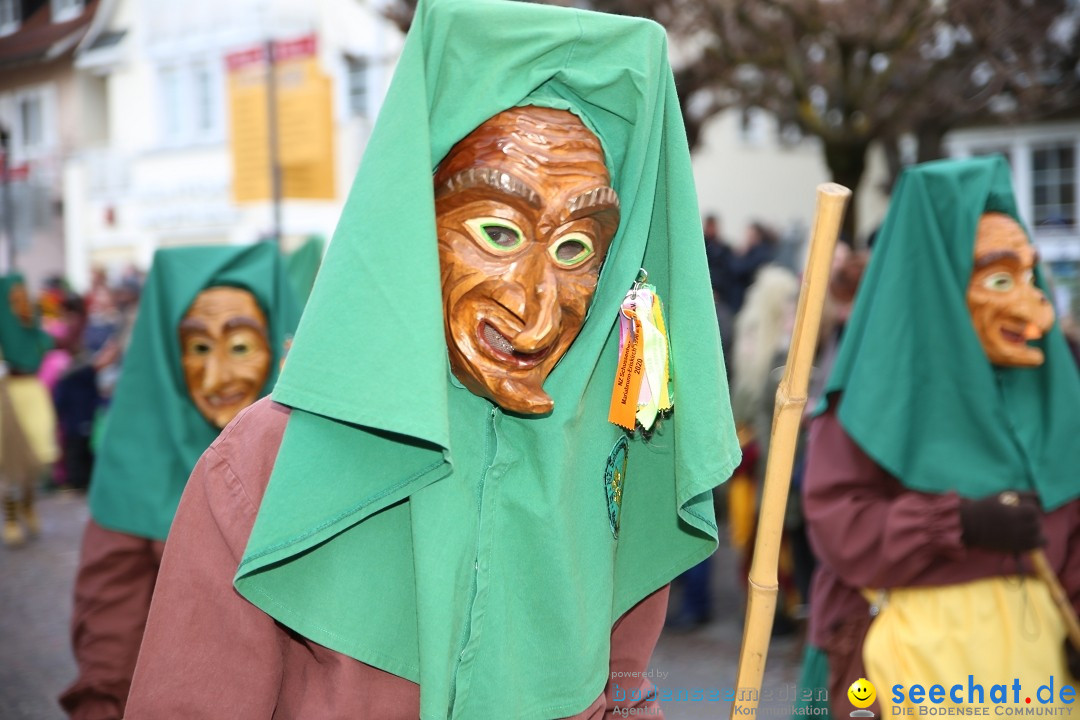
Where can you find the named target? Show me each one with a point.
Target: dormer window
(64, 10)
(9, 16)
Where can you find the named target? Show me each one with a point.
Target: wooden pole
(1044, 572)
(787, 416)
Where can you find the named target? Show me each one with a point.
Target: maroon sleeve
(207, 652)
(1068, 566)
(870, 530)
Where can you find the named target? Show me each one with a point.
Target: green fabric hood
(21, 347)
(153, 433)
(413, 525)
(302, 265)
(919, 395)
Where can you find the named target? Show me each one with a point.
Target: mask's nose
(1040, 313)
(531, 293)
(216, 373)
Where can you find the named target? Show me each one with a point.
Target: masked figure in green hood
(946, 449)
(27, 419)
(208, 339)
(420, 525)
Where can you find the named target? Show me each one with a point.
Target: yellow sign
(305, 129)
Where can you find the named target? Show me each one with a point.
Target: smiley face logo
(861, 693)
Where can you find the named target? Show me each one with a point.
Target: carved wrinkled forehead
(531, 139)
(997, 227)
(998, 236)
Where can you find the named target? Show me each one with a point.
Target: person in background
(763, 333)
(207, 342)
(77, 402)
(944, 452)
(28, 433)
(719, 255)
(758, 250)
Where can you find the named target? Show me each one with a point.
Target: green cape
(413, 525)
(153, 432)
(21, 347)
(920, 396)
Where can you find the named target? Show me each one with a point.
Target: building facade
(48, 110)
(186, 157)
(1046, 177)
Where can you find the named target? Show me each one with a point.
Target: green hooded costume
(21, 347)
(302, 265)
(154, 434)
(957, 422)
(415, 526)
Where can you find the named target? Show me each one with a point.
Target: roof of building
(39, 38)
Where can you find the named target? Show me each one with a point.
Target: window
(31, 121)
(358, 85)
(204, 101)
(190, 103)
(172, 105)
(64, 10)
(9, 16)
(1053, 185)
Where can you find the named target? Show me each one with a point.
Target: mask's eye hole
(571, 250)
(999, 282)
(240, 348)
(496, 233)
(198, 348)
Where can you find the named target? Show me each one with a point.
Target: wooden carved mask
(525, 215)
(1006, 307)
(224, 352)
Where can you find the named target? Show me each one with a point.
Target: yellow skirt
(997, 630)
(34, 412)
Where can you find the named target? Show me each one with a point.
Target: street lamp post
(272, 134)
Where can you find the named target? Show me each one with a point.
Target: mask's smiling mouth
(500, 348)
(1013, 336)
(219, 400)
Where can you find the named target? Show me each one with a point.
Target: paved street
(35, 604)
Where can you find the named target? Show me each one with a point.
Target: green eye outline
(999, 282)
(586, 252)
(480, 227)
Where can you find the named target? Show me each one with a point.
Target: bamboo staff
(1061, 600)
(787, 415)
(1044, 572)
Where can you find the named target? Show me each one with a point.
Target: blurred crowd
(89, 333)
(756, 289)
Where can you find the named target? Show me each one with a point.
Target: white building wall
(157, 181)
(744, 174)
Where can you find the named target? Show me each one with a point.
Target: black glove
(992, 524)
(1072, 659)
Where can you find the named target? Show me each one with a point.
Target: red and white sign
(15, 173)
(297, 48)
